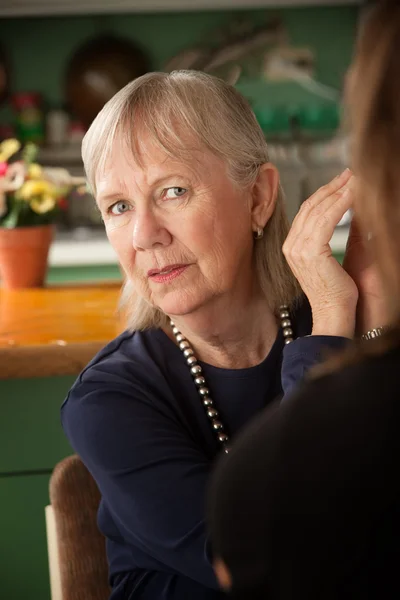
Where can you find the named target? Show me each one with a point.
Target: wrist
(370, 317)
(338, 325)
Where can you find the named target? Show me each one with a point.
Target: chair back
(77, 556)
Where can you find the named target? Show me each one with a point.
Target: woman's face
(182, 233)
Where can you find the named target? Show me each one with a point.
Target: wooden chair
(76, 548)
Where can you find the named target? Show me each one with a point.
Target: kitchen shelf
(24, 8)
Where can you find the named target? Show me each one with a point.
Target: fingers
(330, 290)
(330, 188)
(323, 193)
(320, 202)
(312, 236)
(321, 224)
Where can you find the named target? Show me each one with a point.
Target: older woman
(307, 504)
(194, 210)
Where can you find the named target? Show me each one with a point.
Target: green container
(319, 119)
(275, 121)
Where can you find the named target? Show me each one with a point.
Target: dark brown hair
(374, 116)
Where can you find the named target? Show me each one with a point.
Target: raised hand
(331, 291)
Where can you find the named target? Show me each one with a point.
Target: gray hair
(215, 116)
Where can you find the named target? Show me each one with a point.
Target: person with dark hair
(307, 503)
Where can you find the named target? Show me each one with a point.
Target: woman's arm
(150, 473)
(302, 354)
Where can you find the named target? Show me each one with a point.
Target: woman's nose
(148, 232)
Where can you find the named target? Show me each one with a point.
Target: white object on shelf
(23, 8)
(70, 253)
(56, 127)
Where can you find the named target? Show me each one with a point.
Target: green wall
(39, 48)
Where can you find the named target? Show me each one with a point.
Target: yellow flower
(8, 148)
(36, 187)
(43, 204)
(35, 171)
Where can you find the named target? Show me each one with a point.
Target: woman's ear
(223, 574)
(264, 195)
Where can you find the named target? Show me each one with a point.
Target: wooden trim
(46, 361)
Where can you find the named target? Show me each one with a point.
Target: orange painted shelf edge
(55, 330)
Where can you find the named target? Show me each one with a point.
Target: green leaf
(20, 214)
(10, 220)
(29, 153)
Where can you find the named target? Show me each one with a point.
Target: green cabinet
(31, 443)
(31, 436)
(24, 572)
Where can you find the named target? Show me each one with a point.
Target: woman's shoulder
(133, 365)
(131, 355)
(124, 386)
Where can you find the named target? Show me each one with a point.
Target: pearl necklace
(200, 382)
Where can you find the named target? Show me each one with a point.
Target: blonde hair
(175, 109)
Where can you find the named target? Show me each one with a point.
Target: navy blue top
(135, 418)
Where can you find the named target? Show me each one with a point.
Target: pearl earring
(258, 234)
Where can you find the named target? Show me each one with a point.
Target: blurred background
(61, 60)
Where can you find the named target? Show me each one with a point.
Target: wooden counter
(56, 330)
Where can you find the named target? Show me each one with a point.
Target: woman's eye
(175, 192)
(120, 207)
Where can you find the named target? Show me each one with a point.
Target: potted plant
(31, 197)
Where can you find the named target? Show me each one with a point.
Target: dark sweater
(307, 504)
(136, 420)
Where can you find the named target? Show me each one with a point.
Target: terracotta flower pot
(23, 256)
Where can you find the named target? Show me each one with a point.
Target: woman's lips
(167, 274)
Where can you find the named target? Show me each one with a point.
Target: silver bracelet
(374, 333)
